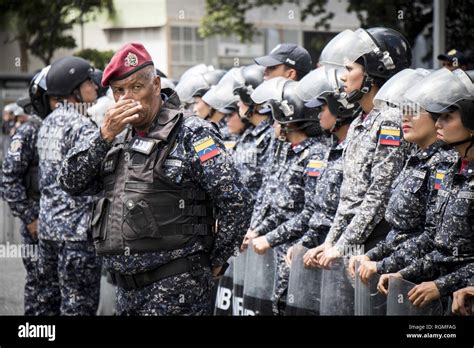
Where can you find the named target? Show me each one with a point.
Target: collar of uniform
(303, 145)
(166, 119)
(426, 153)
(340, 145)
(257, 130)
(468, 171)
(369, 120)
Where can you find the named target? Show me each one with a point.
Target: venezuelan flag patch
(389, 136)
(438, 180)
(314, 168)
(206, 149)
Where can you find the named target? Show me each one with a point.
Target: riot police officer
(19, 184)
(69, 271)
(166, 178)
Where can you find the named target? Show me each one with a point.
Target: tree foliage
(43, 26)
(411, 17)
(99, 59)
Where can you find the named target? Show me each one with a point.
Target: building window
(187, 49)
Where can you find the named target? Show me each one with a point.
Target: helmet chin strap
(249, 113)
(457, 143)
(357, 95)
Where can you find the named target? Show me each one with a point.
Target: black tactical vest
(143, 211)
(31, 179)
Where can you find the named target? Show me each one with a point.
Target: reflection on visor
(438, 91)
(347, 47)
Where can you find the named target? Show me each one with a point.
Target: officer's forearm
(79, 173)
(455, 280)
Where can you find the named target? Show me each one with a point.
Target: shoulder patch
(15, 146)
(314, 168)
(389, 135)
(206, 148)
(438, 179)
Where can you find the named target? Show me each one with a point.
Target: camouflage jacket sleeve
(455, 280)
(410, 251)
(387, 164)
(79, 174)
(15, 165)
(217, 175)
(257, 207)
(296, 226)
(381, 250)
(417, 247)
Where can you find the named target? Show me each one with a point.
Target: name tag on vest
(420, 174)
(142, 145)
(443, 193)
(466, 194)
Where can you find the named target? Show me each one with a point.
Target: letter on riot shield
(259, 283)
(368, 301)
(224, 296)
(304, 287)
(337, 291)
(399, 304)
(239, 276)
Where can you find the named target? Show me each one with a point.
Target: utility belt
(195, 264)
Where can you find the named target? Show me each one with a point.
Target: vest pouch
(138, 220)
(31, 182)
(99, 219)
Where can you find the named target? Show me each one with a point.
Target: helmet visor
(269, 90)
(440, 90)
(347, 47)
(392, 92)
(314, 84)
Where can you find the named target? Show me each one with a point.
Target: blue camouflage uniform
(69, 270)
(374, 156)
(252, 154)
(283, 197)
(182, 294)
(447, 255)
(413, 192)
(320, 206)
(20, 190)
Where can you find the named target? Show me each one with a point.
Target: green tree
(41, 26)
(98, 58)
(411, 17)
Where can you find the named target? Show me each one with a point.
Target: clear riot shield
(259, 282)
(337, 291)
(304, 287)
(239, 276)
(398, 303)
(367, 300)
(224, 298)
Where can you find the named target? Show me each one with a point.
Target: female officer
(446, 252)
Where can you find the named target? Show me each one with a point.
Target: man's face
(144, 87)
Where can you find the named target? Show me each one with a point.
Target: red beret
(126, 61)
